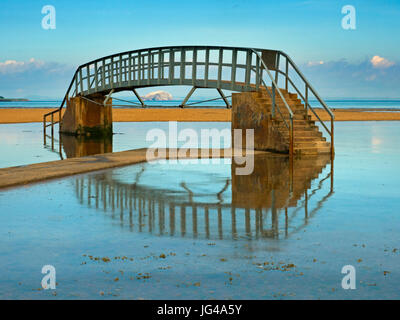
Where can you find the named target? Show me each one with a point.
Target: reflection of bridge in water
(270, 203)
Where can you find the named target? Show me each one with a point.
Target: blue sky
(338, 62)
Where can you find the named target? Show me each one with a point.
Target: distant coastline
(2, 99)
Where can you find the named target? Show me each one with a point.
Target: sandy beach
(161, 114)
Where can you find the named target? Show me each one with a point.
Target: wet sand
(161, 114)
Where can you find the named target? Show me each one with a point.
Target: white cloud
(315, 63)
(342, 78)
(34, 77)
(380, 62)
(13, 66)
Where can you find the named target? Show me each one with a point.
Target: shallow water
(22, 144)
(223, 236)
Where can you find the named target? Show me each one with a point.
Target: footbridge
(270, 94)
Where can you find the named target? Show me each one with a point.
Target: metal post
(233, 73)
(138, 97)
(80, 80)
(206, 63)
(139, 59)
(248, 70)
(187, 97)
(224, 98)
(44, 130)
(194, 66)
(220, 59)
(160, 54)
(103, 75)
(291, 142)
(332, 172)
(130, 69)
(306, 101)
(149, 66)
(96, 77)
(108, 97)
(273, 100)
(171, 65)
(332, 139)
(287, 75)
(257, 72)
(88, 78)
(183, 63)
(76, 83)
(60, 144)
(52, 126)
(276, 70)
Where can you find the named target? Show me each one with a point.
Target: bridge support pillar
(248, 113)
(88, 117)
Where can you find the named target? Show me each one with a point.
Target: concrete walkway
(21, 175)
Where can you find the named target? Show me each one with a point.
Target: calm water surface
(198, 232)
(22, 144)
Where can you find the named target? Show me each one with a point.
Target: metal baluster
(139, 57)
(171, 65)
(194, 67)
(206, 67)
(220, 59)
(130, 69)
(159, 65)
(88, 78)
(103, 75)
(183, 66)
(96, 76)
(233, 72)
(248, 70)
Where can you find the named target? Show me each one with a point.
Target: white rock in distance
(157, 96)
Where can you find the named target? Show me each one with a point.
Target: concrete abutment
(88, 117)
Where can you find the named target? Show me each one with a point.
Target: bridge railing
(294, 78)
(209, 67)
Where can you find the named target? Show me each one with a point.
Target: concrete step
(296, 116)
(298, 122)
(297, 128)
(312, 150)
(291, 104)
(303, 133)
(311, 144)
(307, 138)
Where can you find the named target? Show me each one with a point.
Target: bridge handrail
(59, 109)
(274, 105)
(307, 87)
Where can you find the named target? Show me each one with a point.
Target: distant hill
(2, 99)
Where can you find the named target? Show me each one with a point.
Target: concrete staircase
(307, 137)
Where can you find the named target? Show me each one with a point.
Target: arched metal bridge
(223, 68)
